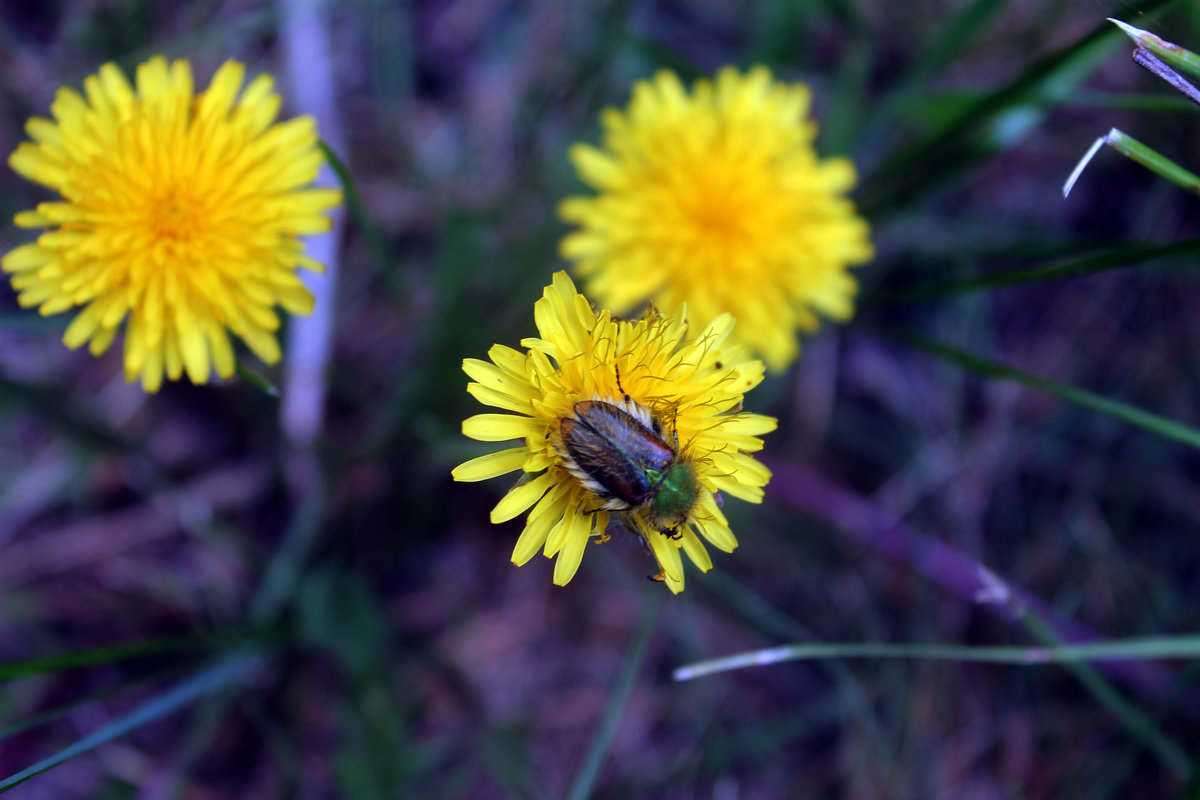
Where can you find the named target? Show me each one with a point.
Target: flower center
(715, 215)
(175, 215)
(715, 206)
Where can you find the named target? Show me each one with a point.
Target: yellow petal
(194, 351)
(667, 554)
(262, 343)
(493, 377)
(749, 424)
(500, 427)
(574, 542)
(696, 551)
(101, 340)
(81, 328)
(27, 256)
(595, 168)
(32, 219)
(498, 398)
(521, 498)
(718, 533)
(545, 515)
(675, 585)
(491, 465)
(31, 162)
(730, 485)
(220, 348)
(506, 358)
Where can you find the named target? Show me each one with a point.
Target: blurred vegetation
(190, 611)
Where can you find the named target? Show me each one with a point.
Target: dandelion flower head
(687, 389)
(179, 217)
(716, 199)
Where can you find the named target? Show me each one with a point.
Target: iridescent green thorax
(677, 493)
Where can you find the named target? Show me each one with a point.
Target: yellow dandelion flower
(633, 419)
(716, 199)
(179, 211)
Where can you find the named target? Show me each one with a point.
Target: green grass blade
(1128, 101)
(1154, 65)
(944, 105)
(606, 729)
(1071, 268)
(1140, 418)
(58, 712)
(955, 36)
(1139, 725)
(1073, 657)
(844, 120)
(58, 411)
(1135, 649)
(101, 655)
(425, 383)
(256, 380)
(1148, 157)
(358, 212)
(286, 569)
(216, 677)
(950, 147)
(1173, 54)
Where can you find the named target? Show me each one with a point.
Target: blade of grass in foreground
(1150, 647)
(958, 33)
(954, 144)
(223, 673)
(1134, 150)
(257, 381)
(1112, 259)
(1073, 656)
(58, 712)
(1136, 722)
(1140, 418)
(606, 729)
(1155, 66)
(56, 409)
(286, 569)
(954, 570)
(1128, 101)
(358, 212)
(101, 655)
(867, 527)
(1173, 54)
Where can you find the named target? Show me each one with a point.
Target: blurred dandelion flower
(635, 419)
(716, 199)
(179, 211)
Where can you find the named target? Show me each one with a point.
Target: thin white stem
(1083, 162)
(309, 70)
